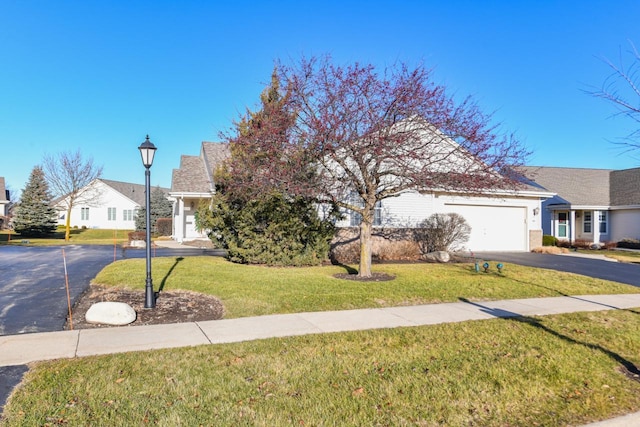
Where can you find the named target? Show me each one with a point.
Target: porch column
(572, 226)
(180, 220)
(596, 226)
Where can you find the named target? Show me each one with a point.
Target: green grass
(78, 236)
(620, 255)
(551, 371)
(254, 290)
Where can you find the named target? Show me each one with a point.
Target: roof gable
(195, 174)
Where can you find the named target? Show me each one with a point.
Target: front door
(562, 225)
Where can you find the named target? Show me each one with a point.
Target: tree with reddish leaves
(374, 135)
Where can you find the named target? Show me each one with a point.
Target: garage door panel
(493, 228)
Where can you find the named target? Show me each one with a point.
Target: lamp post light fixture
(147, 151)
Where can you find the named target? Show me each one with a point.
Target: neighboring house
(500, 221)
(105, 204)
(597, 205)
(4, 203)
(191, 184)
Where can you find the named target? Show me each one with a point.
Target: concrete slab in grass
(353, 320)
(138, 338)
(250, 328)
(433, 314)
(25, 348)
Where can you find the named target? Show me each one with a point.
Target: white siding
(624, 224)
(103, 197)
(498, 223)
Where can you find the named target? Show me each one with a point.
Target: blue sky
(100, 75)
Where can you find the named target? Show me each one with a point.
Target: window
(355, 218)
(84, 214)
(586, 222)
(111, 214)
(602, 218)
(377, 214)
(127, 214)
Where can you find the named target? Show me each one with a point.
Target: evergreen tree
(161, 207)
(251, 216)
(35, 216)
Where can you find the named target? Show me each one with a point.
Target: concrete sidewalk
(25, 348)
(22, 349)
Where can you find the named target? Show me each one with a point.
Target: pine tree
(35, 215)
(161, 207)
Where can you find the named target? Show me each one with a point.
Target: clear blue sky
(100, 75)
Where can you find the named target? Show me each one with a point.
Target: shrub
(164, 226)
(629, 243)
(137, 235)
(273, 230)
(442, 232)
(582, 244)
(548, 240)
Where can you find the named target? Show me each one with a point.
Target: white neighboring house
(4, 199)
(191, 184)
(105, 204)
(596, 205)
(500, 221)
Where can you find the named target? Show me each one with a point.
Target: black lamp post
(148, 150)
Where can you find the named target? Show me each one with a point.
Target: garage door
(494, 228)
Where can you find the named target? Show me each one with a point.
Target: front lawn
(78, 236)
(255, 290)
(550, 371)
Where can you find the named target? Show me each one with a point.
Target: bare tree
(69, 175)
(622, 89)
(359, 137)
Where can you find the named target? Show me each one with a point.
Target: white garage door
(494, 228)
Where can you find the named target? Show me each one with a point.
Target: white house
(192, 183)
(105, 204)
(596, 205)
(500, 221)
(4, 198)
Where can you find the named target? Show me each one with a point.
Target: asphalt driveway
(33, 296)
(600, 269)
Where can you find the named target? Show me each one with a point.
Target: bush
(137, 235)
(629, 244)
(164, 226)
(272, 230)
(548, 240)
(442, 232)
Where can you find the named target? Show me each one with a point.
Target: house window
(84, 214)
(602, 218)
(356, 218)
(586, 222)
(562, 224)
(127, 214)
(111, 214)
(377, 214)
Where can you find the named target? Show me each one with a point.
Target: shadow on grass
(630, 369)
(166, 276)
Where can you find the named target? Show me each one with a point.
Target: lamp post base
(149, 296)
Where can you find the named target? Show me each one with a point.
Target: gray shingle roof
(588, 187)
(625, 187)
(583, 187)
(133, 191)
(195, 174)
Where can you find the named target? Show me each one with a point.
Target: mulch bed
(171, 307)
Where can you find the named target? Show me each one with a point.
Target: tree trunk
(365, 249)
(67, 228)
